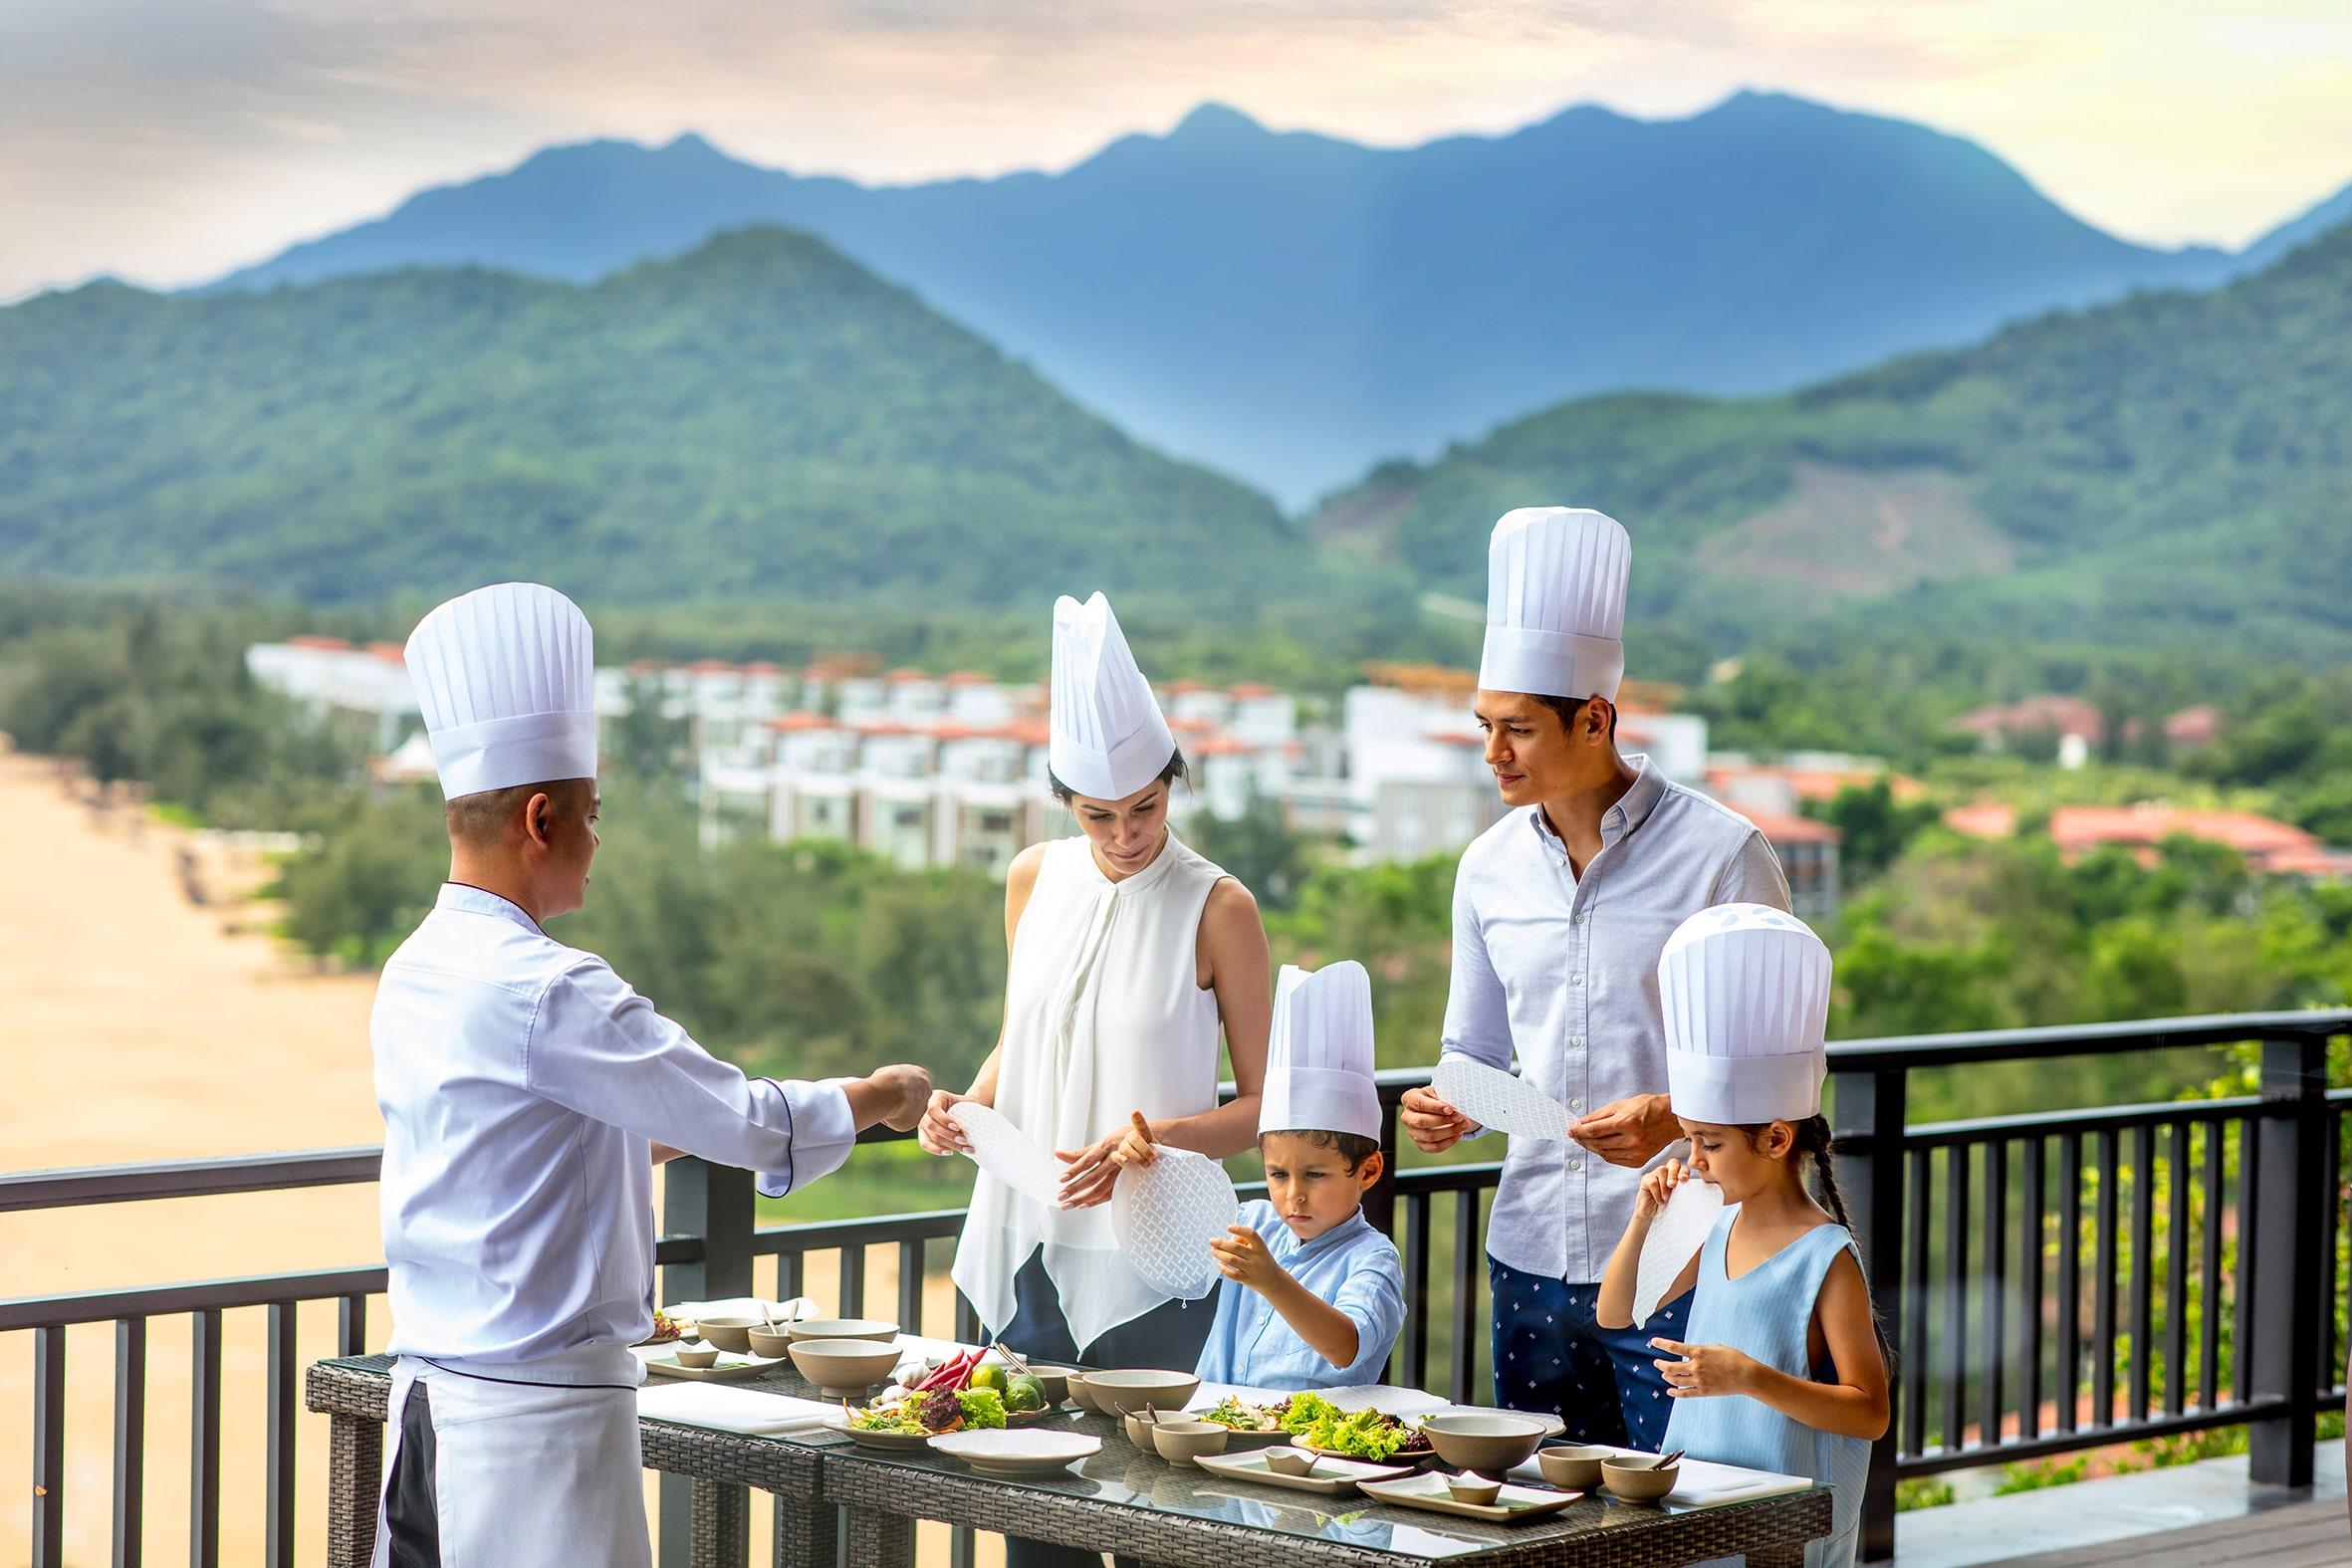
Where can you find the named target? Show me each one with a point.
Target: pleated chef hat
(1746, 993)
(1319, 1065)
(1107, 738)
(1555, 604)
(506, 679)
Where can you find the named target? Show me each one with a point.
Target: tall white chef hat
(506, 677)
(1319, 1065)
(1746, 993)
(1555, 604)
(1108, 739)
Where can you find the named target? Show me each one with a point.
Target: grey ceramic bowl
(1140, 1387)
(729, 1333)
(1492, 1441)
(1572, 1468)
(1637, 1483)
(1137, 1424)
(844, 1366)
(1182, 1442)
(872, 1328)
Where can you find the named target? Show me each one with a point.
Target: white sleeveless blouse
(1103, 1015)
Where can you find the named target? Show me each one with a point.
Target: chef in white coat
(527, 1093)
(1130, 956)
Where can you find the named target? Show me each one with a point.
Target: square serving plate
(732, 1366)
(1331, 1477)
(1428, 1491)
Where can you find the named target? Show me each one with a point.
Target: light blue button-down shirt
(1351, 1265)
(1564, 973)
(522, 1085)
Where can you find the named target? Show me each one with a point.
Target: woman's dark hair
(1354, 1148)
(1174, 774)
(1815, 1147)
(1568, 706)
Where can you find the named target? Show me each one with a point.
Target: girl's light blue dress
(1766, 1312)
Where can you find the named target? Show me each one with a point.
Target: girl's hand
(938, 1132)
(1657, 1187)
(1703, 1369)
(1242, 1257)
(1091, 1172)
(1135, 1147)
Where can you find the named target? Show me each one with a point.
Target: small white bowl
(1471, 1487)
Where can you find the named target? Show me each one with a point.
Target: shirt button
(1577, 918)
(1576, 979)
(1575, 1105)
(1576, 1165)
(1576, 1040)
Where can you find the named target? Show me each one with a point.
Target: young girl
(1782, 1368)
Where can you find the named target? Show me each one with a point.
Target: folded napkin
(1699, 1484)
(736, 1410)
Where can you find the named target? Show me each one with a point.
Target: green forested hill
(757, 418)
(2168, 471)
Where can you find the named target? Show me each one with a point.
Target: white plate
(1429, 1491)
(1023, 1451)
(1331, 1478)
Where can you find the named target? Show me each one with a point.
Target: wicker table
(1117, 1501)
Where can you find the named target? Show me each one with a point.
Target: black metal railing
(2054, 1281)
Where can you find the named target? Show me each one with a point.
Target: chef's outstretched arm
(602, 1049)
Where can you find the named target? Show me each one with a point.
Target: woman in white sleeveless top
(1130, 955)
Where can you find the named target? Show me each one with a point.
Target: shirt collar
(1630, 810)
(1329, 1240)
(465, 898)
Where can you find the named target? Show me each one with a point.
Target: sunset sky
(166, 141)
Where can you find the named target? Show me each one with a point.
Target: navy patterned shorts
(1549, 1355)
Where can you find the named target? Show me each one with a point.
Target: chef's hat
(1318, 1066)
(1555, 604)
(1107, 738)
(506, 677)
(1745, 993)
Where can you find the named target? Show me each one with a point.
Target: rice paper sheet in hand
(1007, 1153)
(1500, 1100)
(1165, 1215)
(1676, 1236)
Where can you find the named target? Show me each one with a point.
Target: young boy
(1315, 1295)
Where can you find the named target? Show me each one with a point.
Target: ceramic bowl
(872, 1328)
(729, 1333)
(1492, 1441)
(1471, 1487)
(1081, 1392)
(1182, 1442)
(1642, 1482)
(844, 1367)
(1570, 1466)
(1140, 1387)
(1137, 1424)
(1292, 1462)
(690, 1354)
(765, 1343)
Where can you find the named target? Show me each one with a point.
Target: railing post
(2284, 1359)
(715, 1203)
(1380, 1202)
(1868, 1128)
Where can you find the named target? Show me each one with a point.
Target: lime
(1024, 1392)
(989, 1375)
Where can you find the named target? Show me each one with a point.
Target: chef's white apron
(529, 1474)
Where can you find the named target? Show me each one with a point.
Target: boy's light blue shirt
(1351, 1265)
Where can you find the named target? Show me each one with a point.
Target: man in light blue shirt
(1560, 912)
(1313, 1296)
(527, 1093)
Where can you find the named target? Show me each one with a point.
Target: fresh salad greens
(946, 1410)
(1234, 1412)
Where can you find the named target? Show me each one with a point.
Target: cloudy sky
(167, 140)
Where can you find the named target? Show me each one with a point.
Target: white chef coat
(522, 1084)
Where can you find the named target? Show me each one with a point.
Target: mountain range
(759, 418)
(2173, 471)
(1292, 306)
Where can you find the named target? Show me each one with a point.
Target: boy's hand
(1135, 1148)
(1657, 1187)
(1703, 1369)
(1242, 1257)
